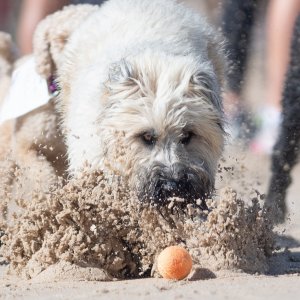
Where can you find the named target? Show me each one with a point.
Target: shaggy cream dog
(139, 96)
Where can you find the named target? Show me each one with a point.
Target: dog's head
(162, 126)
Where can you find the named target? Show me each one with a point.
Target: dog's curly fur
(53, 33)
(140, 95)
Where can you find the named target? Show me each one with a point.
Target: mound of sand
(92, 228)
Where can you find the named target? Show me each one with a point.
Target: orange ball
(174, 262)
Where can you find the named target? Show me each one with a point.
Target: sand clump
(93, 228)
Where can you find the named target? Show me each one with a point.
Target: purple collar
(53, 87)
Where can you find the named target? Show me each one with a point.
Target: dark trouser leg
(237, 23)
(286, 149)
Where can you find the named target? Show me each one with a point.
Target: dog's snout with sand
(177, 181)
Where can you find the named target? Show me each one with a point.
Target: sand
(95, 222)
(69, 271)
(212, 277)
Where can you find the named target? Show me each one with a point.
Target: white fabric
(266, 137)
(27, 92)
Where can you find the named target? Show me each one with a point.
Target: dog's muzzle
(166, 188)
(180, 182)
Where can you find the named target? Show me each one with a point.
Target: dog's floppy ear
(121, 72)
(206, 83)
(123, 79)
(52, 34)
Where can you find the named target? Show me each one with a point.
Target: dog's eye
(148, 138)
(187, 138)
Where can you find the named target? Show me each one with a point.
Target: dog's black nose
(183, 188)
(169, 188)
